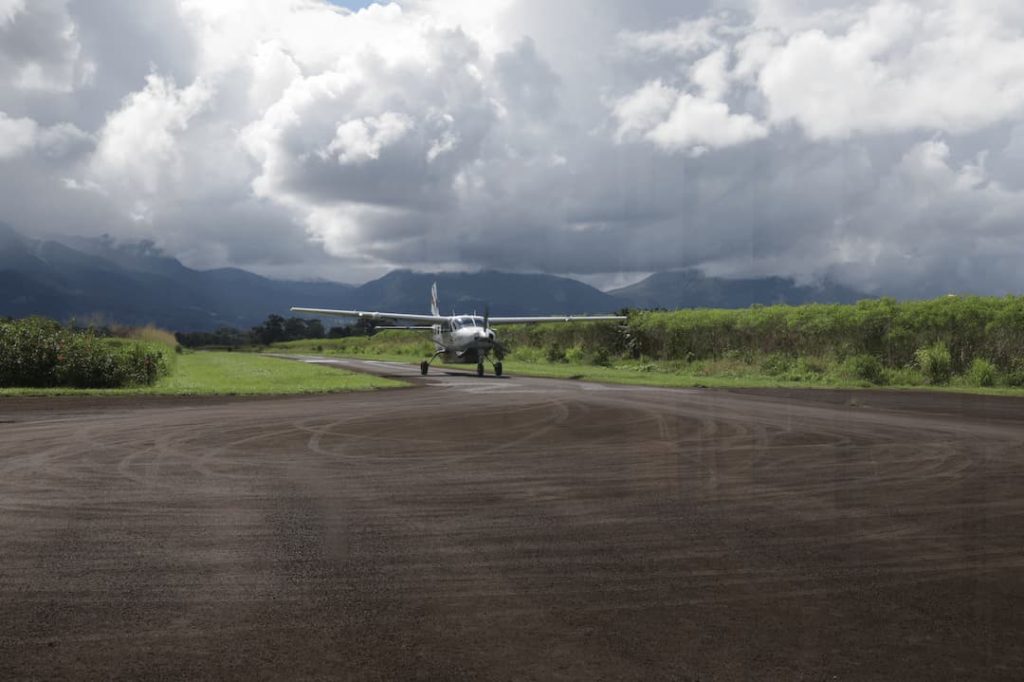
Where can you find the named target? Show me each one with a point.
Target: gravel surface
(514, 528)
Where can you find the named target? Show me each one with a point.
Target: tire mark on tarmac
(565, 531)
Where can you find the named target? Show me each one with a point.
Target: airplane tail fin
(434, 310)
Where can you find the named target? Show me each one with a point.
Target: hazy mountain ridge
(692, 289)
(506, 293)
(138, 284)
(90, 279)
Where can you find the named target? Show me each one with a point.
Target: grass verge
(235, 374)
(651, 374)
(410, 347)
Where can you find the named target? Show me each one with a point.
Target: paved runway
(514, 528)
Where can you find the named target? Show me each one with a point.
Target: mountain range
(106, 281)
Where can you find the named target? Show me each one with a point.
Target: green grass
(236, 374)
(658, 374)
(411, 347)
(386, 345)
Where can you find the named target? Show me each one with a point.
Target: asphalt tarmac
(514, 528)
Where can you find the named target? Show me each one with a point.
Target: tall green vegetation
(979, 339)
(966, 341)
(40, 353)
(893, 332)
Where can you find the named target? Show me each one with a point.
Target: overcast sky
(878, 143)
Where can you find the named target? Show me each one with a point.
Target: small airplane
(463, 339)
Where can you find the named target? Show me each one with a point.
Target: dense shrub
(776, 364)
(935, 363)
(601, 357)
(554, 353)
(970, 326)
(1015, 378)
(40, 353)
(982, 373)
(864, 368)
(904, 376)
(574, 355)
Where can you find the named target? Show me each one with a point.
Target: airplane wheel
(424, 366)
(480, 369)
(497, 369)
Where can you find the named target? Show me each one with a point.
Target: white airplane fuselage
(465, 339)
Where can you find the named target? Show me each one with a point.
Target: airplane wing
(562, 318)
(367, 315)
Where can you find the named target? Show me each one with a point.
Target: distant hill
(137, 284)
(692, 289)
(506, 293)
(90, 279)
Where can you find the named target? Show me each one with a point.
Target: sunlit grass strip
(721, 374)
(664, 375)
(237, 374)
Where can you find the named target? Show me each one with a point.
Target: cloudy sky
(878, 143)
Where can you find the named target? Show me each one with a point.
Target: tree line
(275, 329)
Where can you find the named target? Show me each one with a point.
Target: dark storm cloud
(876, 142)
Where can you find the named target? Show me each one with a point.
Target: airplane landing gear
(425, 365)
(479, 369)
(497, 369)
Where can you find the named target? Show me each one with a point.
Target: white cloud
(139, 147)
(900, 66)
(17, 135)
(361, 140)
(697, 123)
(40, 48)
(9, 9)
(645, 108)
(686, 39)
(63, 141)
(711, 74)
(675, 120)
(877, 68)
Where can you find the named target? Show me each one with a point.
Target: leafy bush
(935, 362)
(982, 373)
(574, 355)
(1015, 377)
(776, 364)
(554, 353)
(811, 366)
(864, 368)
(904, 376)
(40, 353)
